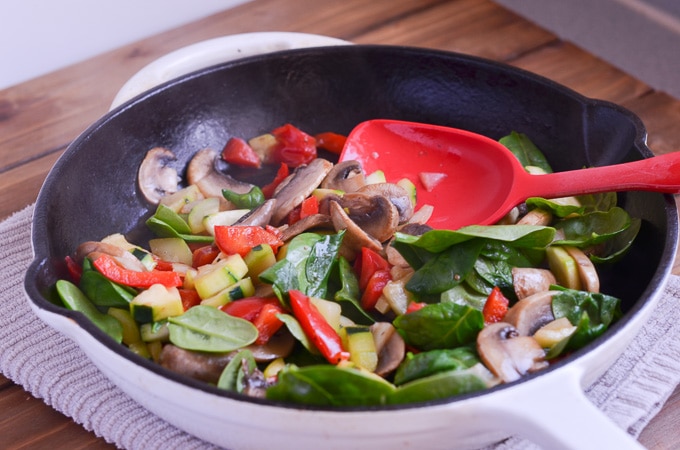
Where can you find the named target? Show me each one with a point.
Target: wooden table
(39, 118)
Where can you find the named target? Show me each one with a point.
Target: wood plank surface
(39, 118)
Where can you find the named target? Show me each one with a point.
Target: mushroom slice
(355, 238)
(347, 176)
(586, 269)
(155, 177)
(306, 223)
(531, 313)
(376, 215)
(279, 346)
(507, 354)
(259, 216)
(198, 365)
(530, 280)
(300, 186)
(203, 173)
(390, 347)
(396, 194)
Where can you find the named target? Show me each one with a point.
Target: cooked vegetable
(327, 287)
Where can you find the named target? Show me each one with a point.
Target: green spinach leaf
(441, 325)
(250, 200)
(525, 151)
(207, 329)
(424, 364)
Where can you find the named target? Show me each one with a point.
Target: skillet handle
(553, 412)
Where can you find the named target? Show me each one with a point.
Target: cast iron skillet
(91, 192)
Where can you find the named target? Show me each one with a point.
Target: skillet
(91, 192)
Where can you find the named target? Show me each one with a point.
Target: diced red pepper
(238, 152)
(189, 297)
(415, 306)
(281, 174)
(294, 146)
(162, 264)
(317, 329)
(267, 322)
(108, 267)
(367, 264)
(204, 255)
(333, 142)
(74, 269)
(496, 306)
(294, 215)
(240, 239)
(248, 308)
(309, 207)
(374, 288)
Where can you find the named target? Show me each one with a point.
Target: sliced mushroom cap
(507, 354)
(530, 280)
(347, 176)
(200, 366)
(279, 346)
(259, 216)
(155, 177)
(355, 238)
(299, 186)
(531, 313)
(203, 173)
(390, 347)
(307, 223)
(396, 194)
(374, 214)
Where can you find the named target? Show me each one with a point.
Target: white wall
(39, 36)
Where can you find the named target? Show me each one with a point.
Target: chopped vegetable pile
(325, 285)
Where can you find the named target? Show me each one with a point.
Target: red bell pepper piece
(74, 269)
(108, 267)
(367, 264)
(496, 306)
(248, 308)
(237, 151)
(240, 239)
(374, 288)
(317, 329)
(267, 322)
(189, 298)
(281, 174)
(162, 264)
(204, 255)
(333, 142)
(294, 147)
(309, 207)
(415, 306)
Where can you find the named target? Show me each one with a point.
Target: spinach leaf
(598, 202)
(593, 228)
(207, 329)
(463, 295)
(424, 364)
(298, 333)
(591, 313)
(250, 200)
(103, 291)
(441, 325)
(233, 375)
(75, 300)
(613, 249)
(348, 295)
(446, 270)
(327, 385)
(557, 209)
(438, 386)
(307, 265)
(525, 151)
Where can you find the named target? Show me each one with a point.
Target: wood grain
(39, 118)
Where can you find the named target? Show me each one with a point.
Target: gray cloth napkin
(53, 368)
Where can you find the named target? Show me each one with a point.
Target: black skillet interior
(92, 191)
